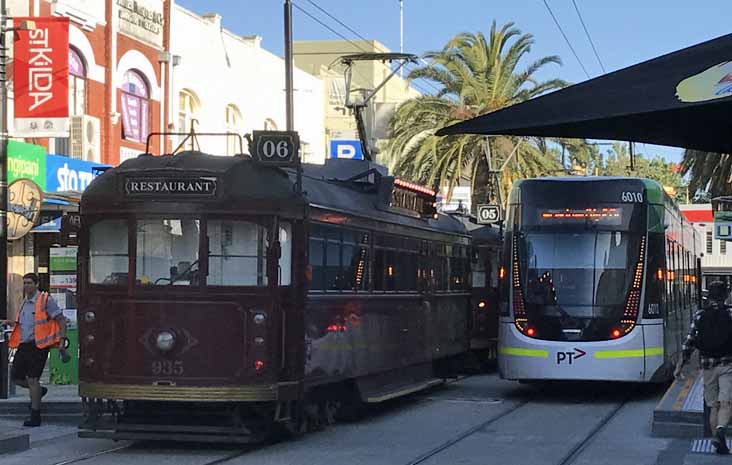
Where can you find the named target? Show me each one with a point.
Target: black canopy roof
(682, 99)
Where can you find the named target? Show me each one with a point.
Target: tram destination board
(275, 148)
(174, 188)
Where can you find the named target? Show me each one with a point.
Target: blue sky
(625, 32)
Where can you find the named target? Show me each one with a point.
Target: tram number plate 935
(167, 367)
(631, 197)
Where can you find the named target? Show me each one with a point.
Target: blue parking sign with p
(350, 149)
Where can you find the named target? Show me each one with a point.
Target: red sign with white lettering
(41, 71)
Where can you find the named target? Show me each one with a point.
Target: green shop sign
(27, 161)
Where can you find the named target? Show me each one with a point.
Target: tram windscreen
(576, 283)
(167, 251)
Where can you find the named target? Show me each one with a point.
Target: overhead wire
(587, 32)
(357, 34)
(566, 39)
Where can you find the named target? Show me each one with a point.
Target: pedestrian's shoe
(34, 420)
(720, 442)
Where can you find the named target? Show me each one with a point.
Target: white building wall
(717, 258)
(221, 68)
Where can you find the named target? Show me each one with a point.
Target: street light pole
(401, 33)
(290, 120)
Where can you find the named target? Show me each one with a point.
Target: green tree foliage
(476, 75)
(667, 174)
(710, 174)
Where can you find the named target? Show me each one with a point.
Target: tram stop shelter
(682, 99)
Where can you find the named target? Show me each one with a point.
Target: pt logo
(569, 357)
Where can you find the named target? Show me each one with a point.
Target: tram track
(465, 434)
(567, 459)
(91, 456)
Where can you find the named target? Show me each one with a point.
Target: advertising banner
(41, 78)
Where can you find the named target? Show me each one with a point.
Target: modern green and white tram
(601, 279)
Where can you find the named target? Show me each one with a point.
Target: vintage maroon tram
(486, 273)
(218, 303)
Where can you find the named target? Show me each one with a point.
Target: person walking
(711, 334)
(40, 325)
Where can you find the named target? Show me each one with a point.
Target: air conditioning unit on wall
(84, 138)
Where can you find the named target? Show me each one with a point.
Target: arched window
(233, 124)
(135, 107)
(77, 83)
(270, 125)
(188, 108)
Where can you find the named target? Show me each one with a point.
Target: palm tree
(476, 75)
(708, 172)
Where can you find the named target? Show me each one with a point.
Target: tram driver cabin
(217, 302)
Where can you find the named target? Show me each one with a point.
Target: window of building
(77, 83)
(723, 247)
(710, 241)
(233, 125)
(188, 107)
(135, 107)
(270, 125)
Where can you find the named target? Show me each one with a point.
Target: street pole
(401, 33)
(288, 66)
(289, 90)
(4, 381)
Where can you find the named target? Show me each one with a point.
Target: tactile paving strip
(695, 400)
(704, 446)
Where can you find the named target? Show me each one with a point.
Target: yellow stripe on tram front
(523, 352)
(651, 351)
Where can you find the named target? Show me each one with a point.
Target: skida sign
(41, 77)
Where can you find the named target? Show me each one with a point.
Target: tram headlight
(165, 341)
(259, 318)
(481, 304)
(89, 317)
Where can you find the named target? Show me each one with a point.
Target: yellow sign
(24, 207)
(713, 83)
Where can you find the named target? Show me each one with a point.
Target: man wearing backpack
(711, 334)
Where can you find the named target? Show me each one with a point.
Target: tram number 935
(167, 367)
(636, 197)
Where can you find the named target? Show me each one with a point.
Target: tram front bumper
(625, 359)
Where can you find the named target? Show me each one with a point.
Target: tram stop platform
(680, 413)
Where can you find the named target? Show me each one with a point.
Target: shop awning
(54, 206)
(682, 99)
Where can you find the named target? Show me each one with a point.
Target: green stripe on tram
(523, 352)
(605, 354)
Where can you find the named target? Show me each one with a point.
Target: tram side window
(108, 253)
(237, 253)
(355, 254)
(338, 259)
(285, 254)
(316, 256)
(459, 269)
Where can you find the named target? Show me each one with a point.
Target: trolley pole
(4, 374)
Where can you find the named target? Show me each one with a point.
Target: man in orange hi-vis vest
(40, 326)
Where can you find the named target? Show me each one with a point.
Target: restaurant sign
(163, 187)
